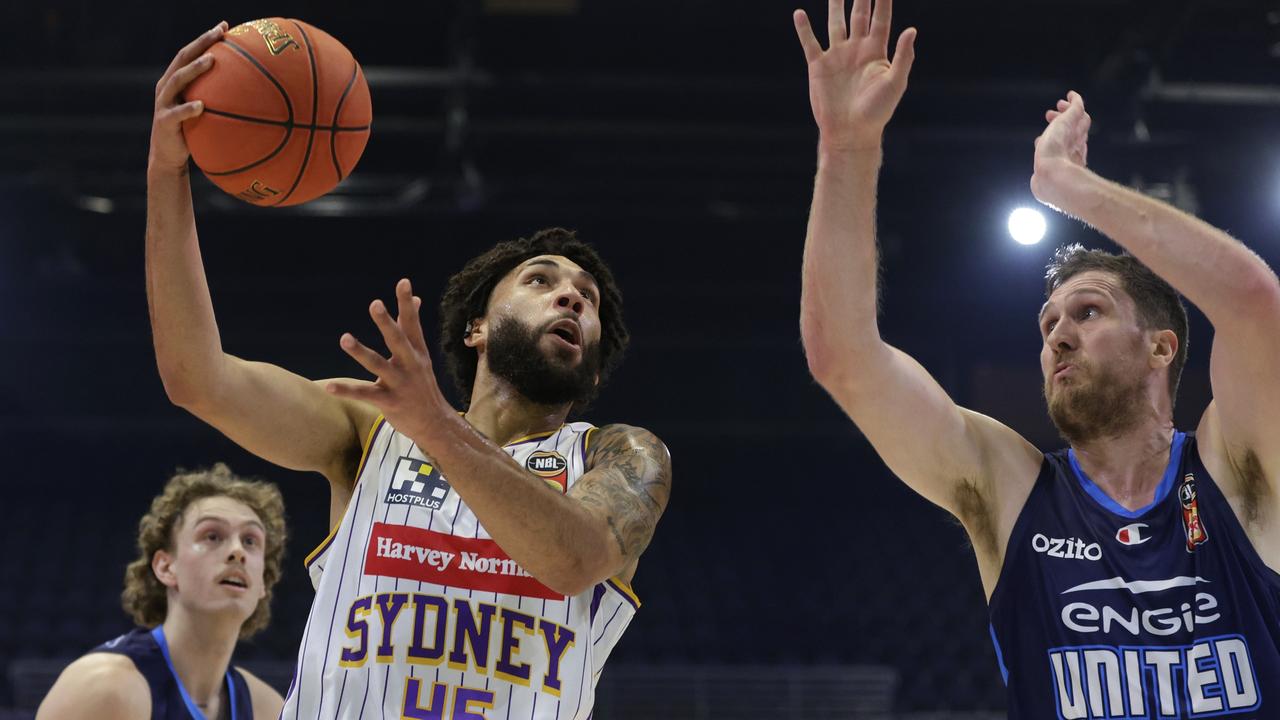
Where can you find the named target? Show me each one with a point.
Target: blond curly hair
(144, 596)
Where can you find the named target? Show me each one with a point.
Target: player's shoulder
(266, 701)
(609, 441)
(103, 670)
(1000, 444)
(108, 682)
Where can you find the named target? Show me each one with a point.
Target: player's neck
(1129, 467)
(504, 415)
(200, 649)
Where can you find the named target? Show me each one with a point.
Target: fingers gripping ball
(286, 113)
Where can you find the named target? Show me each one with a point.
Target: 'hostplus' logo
(417, 483)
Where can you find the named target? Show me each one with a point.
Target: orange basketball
(286, 113)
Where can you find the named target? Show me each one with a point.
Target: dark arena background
(792, 576)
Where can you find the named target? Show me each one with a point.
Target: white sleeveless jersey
(419, 614)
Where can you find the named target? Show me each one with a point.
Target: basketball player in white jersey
(479, 563)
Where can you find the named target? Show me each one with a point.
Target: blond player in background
(209, 553)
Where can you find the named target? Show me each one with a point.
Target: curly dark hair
(1159, 305)
(466, 297)
(144, 596)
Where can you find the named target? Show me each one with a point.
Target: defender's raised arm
(944, 452)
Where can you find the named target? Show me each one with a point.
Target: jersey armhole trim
(624, 589)
(364, 458)
(1019, 528)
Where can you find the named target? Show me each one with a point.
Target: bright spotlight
(1026, 225)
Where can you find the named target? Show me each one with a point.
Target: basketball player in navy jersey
(210, 550)
(1130, 575)
(502, 523)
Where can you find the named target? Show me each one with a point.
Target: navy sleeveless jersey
(1162, 612)
(169, 699)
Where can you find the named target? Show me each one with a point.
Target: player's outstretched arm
(1230, 284)
(947, 454)
(568, 542)
(273, 413)
(98, 685)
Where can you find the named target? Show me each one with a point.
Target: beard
(513, 354)
(1095, 403)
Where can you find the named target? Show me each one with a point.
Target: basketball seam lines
(286, 123)
(288, 106)
(315, 108)
(333, 137)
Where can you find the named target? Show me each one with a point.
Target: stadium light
(1026, 226)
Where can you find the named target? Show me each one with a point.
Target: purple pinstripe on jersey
(346, 553)
(596, 596)
(625, 595)
(582, 682)
(605, 629)
(386, 676)
(302, 666)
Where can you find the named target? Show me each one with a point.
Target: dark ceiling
(674, 109)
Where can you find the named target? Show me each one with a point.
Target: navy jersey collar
(1162, 490)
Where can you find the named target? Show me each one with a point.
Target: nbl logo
(417, 483)
(551, 467)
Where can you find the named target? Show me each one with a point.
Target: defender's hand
(168, 147)
(406, 390)
(853, 87)
(1063, 144)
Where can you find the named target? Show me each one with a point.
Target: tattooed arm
(627, 483)
(568, 542)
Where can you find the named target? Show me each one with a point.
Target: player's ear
(162, 566)
(1164, 348)
(474, 333)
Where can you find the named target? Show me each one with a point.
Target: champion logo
(1134, 534)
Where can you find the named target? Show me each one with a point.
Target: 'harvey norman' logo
(413, 553)
(417, 483)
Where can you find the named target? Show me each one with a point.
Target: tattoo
(628, 481)
(617, 536)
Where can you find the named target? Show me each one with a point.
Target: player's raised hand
(1064, 142)
(168, 147)
(406, 390)
(853, 87)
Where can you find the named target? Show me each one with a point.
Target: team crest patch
(1192, 523)
(551, 467)
(417, 483)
